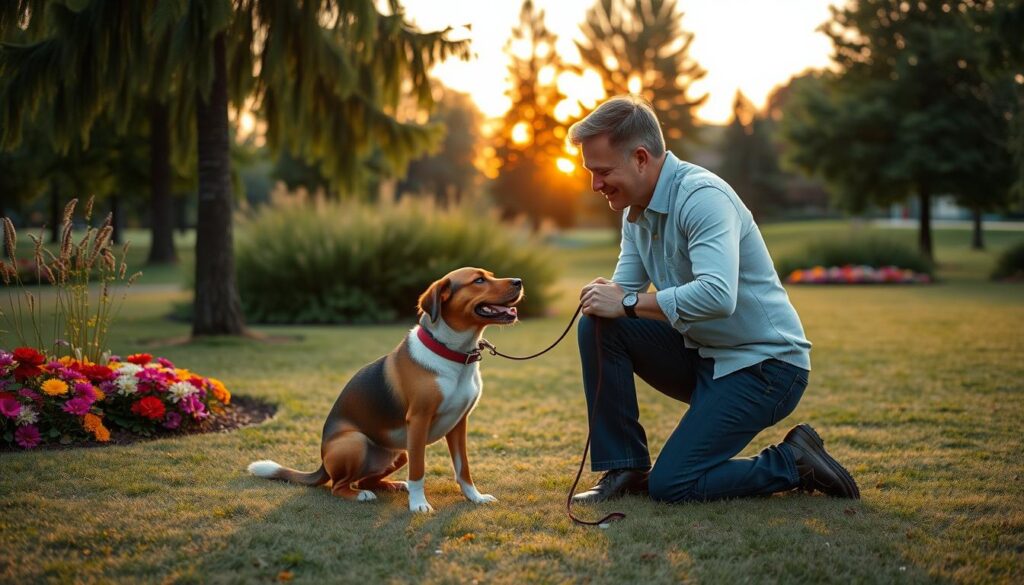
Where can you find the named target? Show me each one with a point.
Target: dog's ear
(435, 296)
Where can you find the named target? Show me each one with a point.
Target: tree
(751, 164)
(328, 74)
(531, 139)
(639, 46)
(908, 95)
(450, 172)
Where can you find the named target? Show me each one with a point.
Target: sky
(750, 45)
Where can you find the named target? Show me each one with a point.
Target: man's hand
(602, 298)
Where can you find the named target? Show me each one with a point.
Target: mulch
(242, 412)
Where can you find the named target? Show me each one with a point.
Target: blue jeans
(696, 463)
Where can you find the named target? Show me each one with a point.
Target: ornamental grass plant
(1010, 265)
(317, 261)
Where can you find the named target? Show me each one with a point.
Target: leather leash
(603, 522)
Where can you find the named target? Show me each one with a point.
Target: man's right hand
(598, 280)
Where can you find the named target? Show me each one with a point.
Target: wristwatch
(629, 304)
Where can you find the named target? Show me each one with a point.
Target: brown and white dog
(423, 390)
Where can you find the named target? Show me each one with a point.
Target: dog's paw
(483, 499)
(422, 508)
(366, 496)
(399, 486)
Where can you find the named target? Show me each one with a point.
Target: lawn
(916, 389)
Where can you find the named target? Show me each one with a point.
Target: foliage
(909, 109)
(856, 250)
(81, 321)
(344, 262)
(67, 399)
(531, 139)
(750, 163)
(1010, 263)
(639, 46)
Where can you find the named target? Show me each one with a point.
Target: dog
(421, 391)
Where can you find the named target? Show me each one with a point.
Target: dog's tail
(272, 470)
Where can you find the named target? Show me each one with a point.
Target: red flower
(140, 359)
(96, 373)
(150, 407)
(29, 361)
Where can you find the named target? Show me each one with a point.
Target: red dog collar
(445, 352)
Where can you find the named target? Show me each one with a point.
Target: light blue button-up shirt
(698, 244)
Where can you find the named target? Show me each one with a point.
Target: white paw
(366, 496)
(483, 499)
(423, 508)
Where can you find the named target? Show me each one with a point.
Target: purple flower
(6, 358)
(192, 405)
(172, 420)
(77, 406)
(86, 390)
(165, 363)
(64, 373)
(153, 380)
(31, 395)
(27, 436)
(10, 407)
(109, 387)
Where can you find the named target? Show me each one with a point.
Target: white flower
(127, 384)
(27, 416)
(180, 390)
(128, 369)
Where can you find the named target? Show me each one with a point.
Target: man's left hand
(603, 298)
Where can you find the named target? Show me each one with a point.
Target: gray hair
(628, 120)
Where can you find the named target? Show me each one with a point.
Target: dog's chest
(460, 393)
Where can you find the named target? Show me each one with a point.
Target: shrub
(872, 251)
(327, 262)
(1011, 263)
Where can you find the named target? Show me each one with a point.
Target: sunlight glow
(634, 85)
(566, 166)
(521, 133)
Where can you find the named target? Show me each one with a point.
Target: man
(719, 334)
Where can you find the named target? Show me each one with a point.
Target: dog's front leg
(418, 427)
(460, 460)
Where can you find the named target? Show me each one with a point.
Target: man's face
(614, 174)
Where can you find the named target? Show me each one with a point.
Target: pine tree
(639, 46)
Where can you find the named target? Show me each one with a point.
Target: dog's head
(470, 298)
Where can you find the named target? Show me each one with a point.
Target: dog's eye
(480, 280)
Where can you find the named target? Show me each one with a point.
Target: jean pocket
(787, 404)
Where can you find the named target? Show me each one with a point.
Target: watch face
(630, 299)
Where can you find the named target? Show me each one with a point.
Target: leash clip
(484, 344)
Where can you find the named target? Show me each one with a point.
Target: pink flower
(172, 420)
(27, 436)
(77, 406)
(192, 405)
(6, 358)
(9, 406)
(31, 395)
(165, 363)
(86, 390)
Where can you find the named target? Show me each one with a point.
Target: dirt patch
(242, 412)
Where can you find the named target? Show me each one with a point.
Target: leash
(603, 522)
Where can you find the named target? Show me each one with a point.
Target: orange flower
(91, 422)
(102, 434)
(220, 391)
(54, 387)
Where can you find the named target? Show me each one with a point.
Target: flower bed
(68, 400)
(856, 275)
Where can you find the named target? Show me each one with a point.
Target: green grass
(916, 389)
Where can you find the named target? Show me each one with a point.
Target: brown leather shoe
(817, 469)
(615, 484)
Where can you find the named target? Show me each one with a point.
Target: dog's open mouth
(497, 312)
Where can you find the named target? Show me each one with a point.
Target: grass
(916, 389)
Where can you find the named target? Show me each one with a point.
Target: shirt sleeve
(630, 273)
(712, 227)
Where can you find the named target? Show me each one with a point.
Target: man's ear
(435, 296)
(642, 157)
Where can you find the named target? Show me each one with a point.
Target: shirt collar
(662, 191)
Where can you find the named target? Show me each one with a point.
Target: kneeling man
(719, 334)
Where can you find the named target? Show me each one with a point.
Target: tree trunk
(161, 212)
(925, 232)
(55, 214)
(978, 238)
(218, 309)
(115, 220)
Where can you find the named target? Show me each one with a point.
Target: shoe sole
(806, 434)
